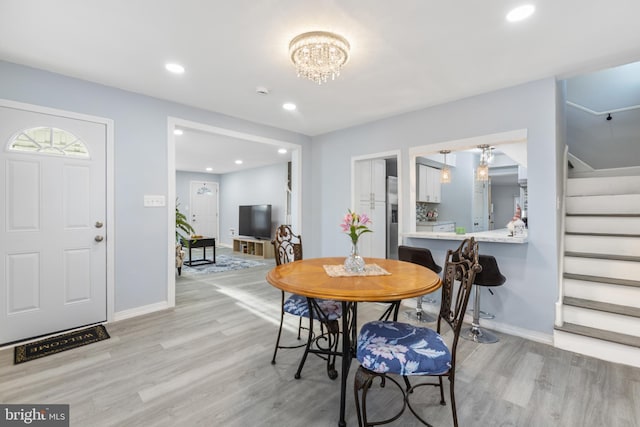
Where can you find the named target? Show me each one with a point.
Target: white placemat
(369, 270)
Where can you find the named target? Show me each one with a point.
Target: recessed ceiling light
(174, 68)
(289, 106)
(178, 132)
(209, 169)
(520, 13)
(282, 151)
(238, 162)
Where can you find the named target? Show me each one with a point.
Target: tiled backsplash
(422, 209)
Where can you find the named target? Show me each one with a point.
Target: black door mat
(60, 343)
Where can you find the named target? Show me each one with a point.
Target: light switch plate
(151, 201)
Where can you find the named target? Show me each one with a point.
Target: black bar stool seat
(423, 257)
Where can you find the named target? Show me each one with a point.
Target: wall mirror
(470, 199)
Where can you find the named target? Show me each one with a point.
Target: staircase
(599, 314)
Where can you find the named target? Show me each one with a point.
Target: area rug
(223, 263)
(60, 343)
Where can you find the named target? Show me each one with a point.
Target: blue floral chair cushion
(401, 348)
(297, 305)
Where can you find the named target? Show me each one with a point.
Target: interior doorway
(294, 208)
(376, 191)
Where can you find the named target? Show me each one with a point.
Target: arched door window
(50, 141)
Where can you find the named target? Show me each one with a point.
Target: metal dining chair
(288, 248)
(386, 347)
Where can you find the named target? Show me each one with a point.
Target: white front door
(203, 212)
(52, 223)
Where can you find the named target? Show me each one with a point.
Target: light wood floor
(207, 363)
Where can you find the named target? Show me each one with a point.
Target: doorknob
(99, 224)
(99, 238)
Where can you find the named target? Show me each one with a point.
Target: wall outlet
(232, 232)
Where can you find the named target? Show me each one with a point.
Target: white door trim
(296, 185)
(110, 195)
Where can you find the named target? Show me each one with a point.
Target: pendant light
(482, 173)
(445, 173)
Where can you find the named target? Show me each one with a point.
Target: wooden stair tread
(612, 257)
(602, 306)
(576, 233)
(599, 279)
(614, 215)
(601, 334)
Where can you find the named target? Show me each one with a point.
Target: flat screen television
(255, 221)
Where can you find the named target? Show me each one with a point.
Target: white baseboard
(139, 311)
(491, 324)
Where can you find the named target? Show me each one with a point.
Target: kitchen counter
(435, 226)
(496, 236)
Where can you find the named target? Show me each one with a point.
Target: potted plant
(183, 229)
(183, 232)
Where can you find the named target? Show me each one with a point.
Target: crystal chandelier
(319, 55)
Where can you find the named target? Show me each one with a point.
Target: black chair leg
(363, 381)
(306, 350)
(442, 401)
(275, 351)
(453, 401)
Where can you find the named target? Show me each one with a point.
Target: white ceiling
(405, 55)
(198, 150)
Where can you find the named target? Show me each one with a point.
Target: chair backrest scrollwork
(287, 245)
(461, 267)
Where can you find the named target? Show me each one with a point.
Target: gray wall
(457, 195)
(259, 186)
(141, 234)
(526, 301)
(502, 197)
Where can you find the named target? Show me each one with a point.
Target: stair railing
(563, 214)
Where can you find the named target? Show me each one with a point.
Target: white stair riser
(604, 350)
(604, 185)
(602, 320)
(603, 292)
(623, 225)
(628, 246)
(603, 268)
(616, 204)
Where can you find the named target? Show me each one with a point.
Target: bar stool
(420, 256)
(489, 276)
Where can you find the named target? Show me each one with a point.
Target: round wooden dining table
(309, 278)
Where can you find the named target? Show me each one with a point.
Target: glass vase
(354, 262)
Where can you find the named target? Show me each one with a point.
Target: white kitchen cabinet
(371, 188)
(439, 227)
(374, 244)
(371, 180)
(429, 187)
